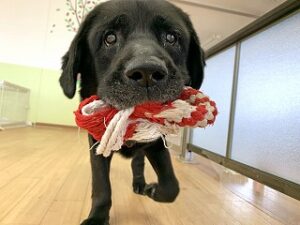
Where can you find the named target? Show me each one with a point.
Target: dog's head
(132, 51)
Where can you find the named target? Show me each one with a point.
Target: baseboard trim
(54, 125)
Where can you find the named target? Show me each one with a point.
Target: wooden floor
(45, 179)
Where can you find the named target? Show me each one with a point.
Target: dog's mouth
(124, 96)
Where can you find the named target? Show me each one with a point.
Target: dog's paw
(139, 187)
(93, 221)
(158, 193)
(150, 190)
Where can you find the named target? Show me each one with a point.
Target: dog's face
(132, 51)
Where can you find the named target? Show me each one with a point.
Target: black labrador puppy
(128, 52)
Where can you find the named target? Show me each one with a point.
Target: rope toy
(145, 122)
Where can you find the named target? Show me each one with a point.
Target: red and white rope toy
(145, 122)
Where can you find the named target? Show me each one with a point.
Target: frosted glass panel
(267, 121)
(217, 84)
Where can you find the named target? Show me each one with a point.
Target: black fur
(141, 28)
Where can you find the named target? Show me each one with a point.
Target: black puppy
(128, 52)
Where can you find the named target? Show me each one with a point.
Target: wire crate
(14, 105)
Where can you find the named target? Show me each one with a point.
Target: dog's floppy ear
(71, 63)
(195, 60)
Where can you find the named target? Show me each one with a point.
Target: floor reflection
(272, 202)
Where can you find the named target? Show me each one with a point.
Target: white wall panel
(33, 32)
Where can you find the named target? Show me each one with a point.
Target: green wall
(47, 101)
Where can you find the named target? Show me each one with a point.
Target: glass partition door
(264, 120)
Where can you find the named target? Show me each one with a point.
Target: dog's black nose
(146, 73)
(145, 77)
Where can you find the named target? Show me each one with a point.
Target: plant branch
(75, 10)
(83, 8)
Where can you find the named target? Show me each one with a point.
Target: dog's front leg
(101, 189)
(138, 165)
(167, 188)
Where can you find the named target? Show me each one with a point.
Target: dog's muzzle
(146, 72)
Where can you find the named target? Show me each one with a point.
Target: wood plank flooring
(45, 180)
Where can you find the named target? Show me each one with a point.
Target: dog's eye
(171, 38)
(110, 38)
